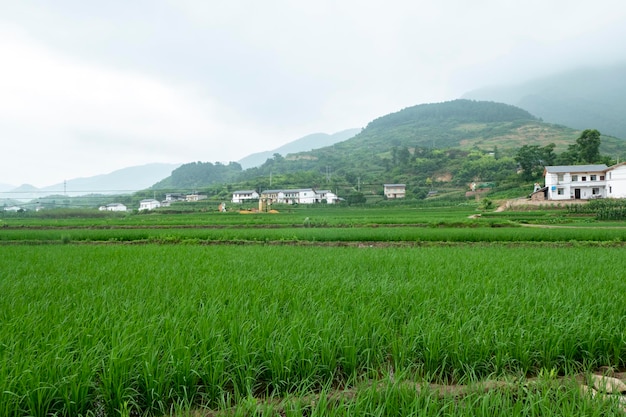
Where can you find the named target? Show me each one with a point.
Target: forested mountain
(579, 98)
(454, 143)
(199, 174)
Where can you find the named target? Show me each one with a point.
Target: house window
(601, 177)
(610, 190)
(574, 178)
(559, 177)
(560, 191)
(583, 178)
(593, 178)
(595, 191)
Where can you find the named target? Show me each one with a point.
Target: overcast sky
(88, 87)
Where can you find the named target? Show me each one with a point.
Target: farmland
(310, 312)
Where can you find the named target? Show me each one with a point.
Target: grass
(355, 311)
(151, 328)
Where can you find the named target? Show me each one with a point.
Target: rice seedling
(144, 329)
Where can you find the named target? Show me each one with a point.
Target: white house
(170, 197)
(307, 196)
(298, 196)
(330, 197)
(195, 197)
(244, 195)
(394, 190)
(113, 207)
(584, 182)
(149, 204)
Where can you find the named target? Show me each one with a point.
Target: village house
(327, 196)
(195, 197)
(298, 196)
(394, 190)
(149, 204)
(113, 207)
(171, 197)
(584, 182)
(242, 196)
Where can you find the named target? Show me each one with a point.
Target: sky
(89, 87)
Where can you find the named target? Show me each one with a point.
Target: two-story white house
(242, 196)
(394, 190)
(298, 196)
(584, 182)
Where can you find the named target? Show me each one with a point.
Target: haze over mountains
(123, 181)
(579, 99)
(306, 143)
(583, 98)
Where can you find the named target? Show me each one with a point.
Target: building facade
(394, 190)
(584, 182)
(242, 196)
(298, 196)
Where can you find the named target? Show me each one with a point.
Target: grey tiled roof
(576, 168)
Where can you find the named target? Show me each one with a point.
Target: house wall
(149, 205)
(241, 197)
(395, 191)
(116, 207)
(616, 182)
(565, 189)
(307, 196)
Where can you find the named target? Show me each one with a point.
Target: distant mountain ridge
(584, 98)
(122, 181)
(306, 143)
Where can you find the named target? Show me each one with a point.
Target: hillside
(579, 98)
(306, 143)
(454, 142)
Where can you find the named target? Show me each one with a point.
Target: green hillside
(467, 124)
(446, 144)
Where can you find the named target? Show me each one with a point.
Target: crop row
(320, 234)
(112, 328)
(288, 216)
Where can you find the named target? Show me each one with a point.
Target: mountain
(122, 181)
(584, 98)
(306, 143)
(463, 124)
(6, 187)
(458, 141)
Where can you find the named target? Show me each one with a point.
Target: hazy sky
(88, 87)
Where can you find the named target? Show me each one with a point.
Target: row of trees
(586, 150)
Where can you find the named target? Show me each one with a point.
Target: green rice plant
(145, 328)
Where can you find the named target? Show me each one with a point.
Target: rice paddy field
(312, 312)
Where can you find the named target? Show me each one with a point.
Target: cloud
(120, 83)
(79, 113)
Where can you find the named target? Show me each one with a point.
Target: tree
(589, 146)
(532, 159)
(356, 197)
